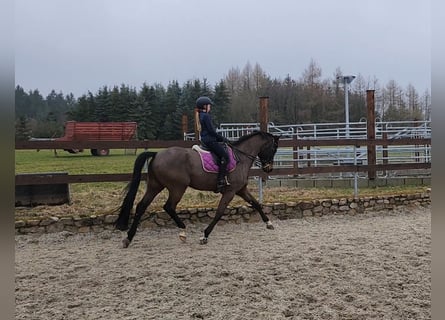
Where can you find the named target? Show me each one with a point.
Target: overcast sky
(83, 45)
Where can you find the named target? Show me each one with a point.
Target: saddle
(209, 160)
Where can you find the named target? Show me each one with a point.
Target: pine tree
(143, 113)
(22, 129)
(103, 107)
(37, 105)
(171, 128)
(22, 103)
(114, 111)
(221, 99)
(85, 109)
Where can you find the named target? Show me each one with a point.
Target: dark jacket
(208, 132)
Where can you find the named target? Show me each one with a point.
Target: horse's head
(267, 152)
(267, 145)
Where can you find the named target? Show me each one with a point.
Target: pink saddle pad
(209, 164)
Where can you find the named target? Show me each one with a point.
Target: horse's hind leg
(174, 197)
(140, 209)
(249, 198)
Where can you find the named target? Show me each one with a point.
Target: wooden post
(195, 116)
(308, 155)
(295, 155)
(264, 113)
(264, 116)
(370, 128)
(184, 121)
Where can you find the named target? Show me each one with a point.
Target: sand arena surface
(368, 266)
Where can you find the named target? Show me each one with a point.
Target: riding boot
(222, 181)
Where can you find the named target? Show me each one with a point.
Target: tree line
(159, 111)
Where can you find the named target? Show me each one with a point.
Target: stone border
(241, 214)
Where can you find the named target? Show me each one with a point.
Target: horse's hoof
(269, 225)
(182, 236)
(125, 243)
(203, 240)
(121, 228)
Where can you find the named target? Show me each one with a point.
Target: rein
(242, 152)
(253, 158)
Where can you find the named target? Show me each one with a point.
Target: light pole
(346, 80)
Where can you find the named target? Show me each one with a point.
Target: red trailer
(98, 131)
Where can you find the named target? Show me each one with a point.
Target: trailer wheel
(100, 152)
(103, 152)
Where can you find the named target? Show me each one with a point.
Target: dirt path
(369, 266)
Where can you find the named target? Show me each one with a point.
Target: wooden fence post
(195, 124)
(370, 128)
(264, 113)
(184, 122)
(295, 155)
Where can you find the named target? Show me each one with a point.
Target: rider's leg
(223, 161)
(222, 176)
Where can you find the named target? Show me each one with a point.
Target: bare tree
(413, 102)
(312, 74)
(233, 81)
(426, 105)
(260, 79)
(247, 77)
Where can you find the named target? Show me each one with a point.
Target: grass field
(32, 161)
(100, 198)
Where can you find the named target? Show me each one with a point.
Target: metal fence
(318, 131)
(340, 155)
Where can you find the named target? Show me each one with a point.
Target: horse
(177, 168)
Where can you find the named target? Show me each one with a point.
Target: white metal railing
(319, 131)
(326, 156)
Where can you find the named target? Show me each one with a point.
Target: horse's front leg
(249, 198)
(223, 203)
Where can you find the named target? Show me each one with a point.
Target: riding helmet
(202, 101)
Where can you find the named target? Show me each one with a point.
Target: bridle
(265, 166)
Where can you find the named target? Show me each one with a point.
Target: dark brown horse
(178, 168)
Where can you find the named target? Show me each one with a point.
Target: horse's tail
(125, 209)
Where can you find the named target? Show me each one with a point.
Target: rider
(210, 138)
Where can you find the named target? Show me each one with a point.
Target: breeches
(218, 150)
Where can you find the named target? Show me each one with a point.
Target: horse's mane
(250, 135)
